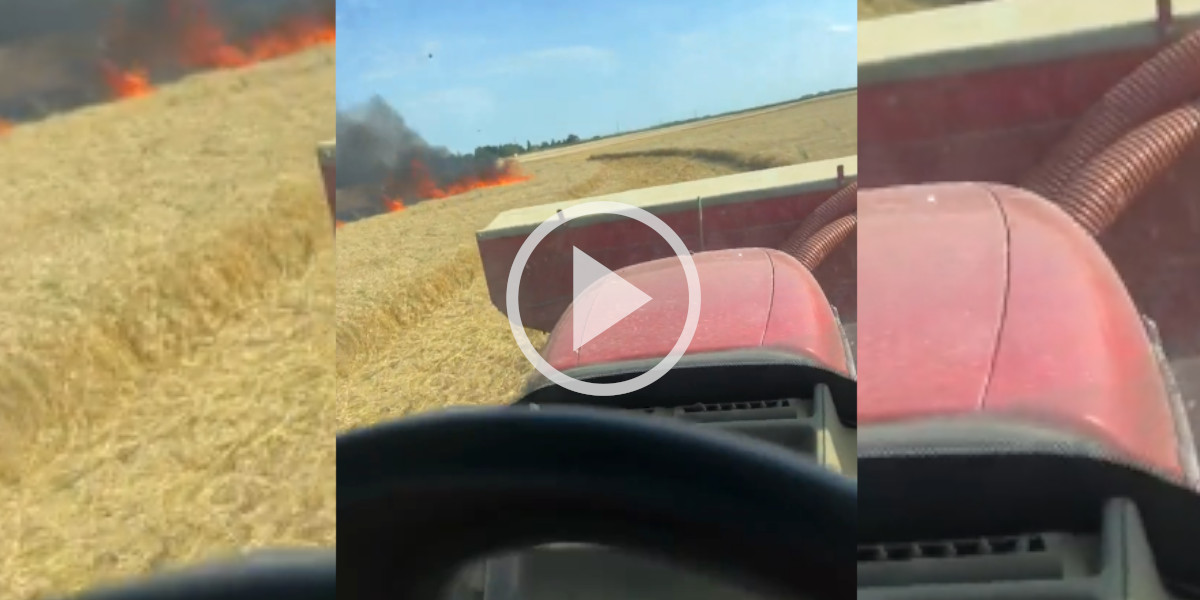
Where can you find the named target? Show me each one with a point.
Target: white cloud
(840, 28)
(578, 56)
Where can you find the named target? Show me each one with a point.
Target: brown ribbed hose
(1169, 79)
(842, 203)
(837, 206)
(812, 251)
(1098, 194)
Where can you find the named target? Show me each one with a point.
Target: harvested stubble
(165, 330)
(416, 329)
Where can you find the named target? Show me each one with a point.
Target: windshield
(167, 272)
(459, 132)
(447, 125)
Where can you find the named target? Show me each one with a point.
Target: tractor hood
(751, 299)
(983, 298)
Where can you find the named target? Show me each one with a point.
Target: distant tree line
(508, 150)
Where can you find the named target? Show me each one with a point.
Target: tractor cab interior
(759, 396)
(780, 397)
(1003, 510)
(566, 485)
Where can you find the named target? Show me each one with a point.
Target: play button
(611, 300)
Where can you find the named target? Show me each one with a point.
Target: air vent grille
(730, 406)
(758, 410)
(988, 546)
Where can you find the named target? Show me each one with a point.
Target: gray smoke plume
(25, 19)
(50, 50)
(377, 149)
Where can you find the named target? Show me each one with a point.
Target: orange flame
(5, 126)
(129, 83)
(395, 205)
(340, 224)
(428, 189)
(204, 44)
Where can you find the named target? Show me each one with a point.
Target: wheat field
(415, 328)
(166, 340)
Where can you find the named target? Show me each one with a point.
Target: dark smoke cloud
(377, 149)
(50, 50)
(24, 19)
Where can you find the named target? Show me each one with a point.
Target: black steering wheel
(284, 574)
(421, 497)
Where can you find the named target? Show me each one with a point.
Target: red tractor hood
(982, 298)
(750, 298)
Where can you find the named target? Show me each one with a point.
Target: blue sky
(535, 70)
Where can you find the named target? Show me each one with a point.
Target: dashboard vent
(1046, 557)
(728, 406)
(790, 409)
(988, 546)
(792, 423)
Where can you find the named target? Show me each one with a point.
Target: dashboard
(1114, 561)
(567, 571)
(1027, 517)
(1051, 522)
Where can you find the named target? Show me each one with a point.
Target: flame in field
(340, 224)
(5, 126)
(389, 167)
(126, 83)
(428, 189)
(203, 45)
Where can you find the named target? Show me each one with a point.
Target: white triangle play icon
(611, 300)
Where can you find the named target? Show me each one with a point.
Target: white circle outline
(512, 293)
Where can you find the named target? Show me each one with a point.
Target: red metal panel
(907, 137)
(801, 319)
(1000, 155)
(1019, 96)
(983, 126)
(931, 278)
(749, 298)
(546, 282)
(982, 297)
(1073, 347)
(765, 223)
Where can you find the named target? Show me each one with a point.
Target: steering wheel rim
(420, 497)
(291, 574)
